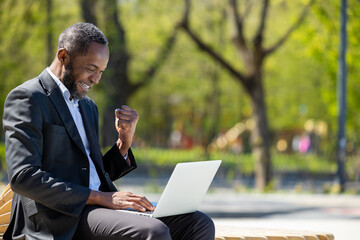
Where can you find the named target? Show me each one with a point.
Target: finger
(149, 205)
(126, 113)
(144, 202)
(137, 207)
(134, 201)
(127, 108)
(125, 117)
(126, 120)
(123, 124)
(129, 111)
(118, 125)
(123, 121)
(130, 200)
(119, 142)
(124, 108)
(117, 111)
(141, 201)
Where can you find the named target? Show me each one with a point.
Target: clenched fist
(126, 119)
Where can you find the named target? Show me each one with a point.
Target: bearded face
(70, 83)
(82, 72)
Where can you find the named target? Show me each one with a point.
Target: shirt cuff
(126, 155)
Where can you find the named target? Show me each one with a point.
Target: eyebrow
(95, 66)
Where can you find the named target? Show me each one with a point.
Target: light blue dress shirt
(73, 105)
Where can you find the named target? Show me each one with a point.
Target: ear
(63, 56)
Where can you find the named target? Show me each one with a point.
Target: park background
(251, 82)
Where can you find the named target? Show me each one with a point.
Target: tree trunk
(253, 54)
(213, 109)
(116, 80)
(260, 137)
(109, 134)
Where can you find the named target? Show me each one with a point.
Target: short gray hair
(77, 38)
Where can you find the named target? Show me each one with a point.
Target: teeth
(86, 87)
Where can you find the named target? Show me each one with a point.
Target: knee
(205, 225)
(158, 231)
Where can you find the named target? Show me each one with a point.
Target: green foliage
(300, 78)
(2, 156)
(23, 41)
(166, 157)
(353, 167)
(235, 163)
(180, 97)
(319, 39)
(310, 163)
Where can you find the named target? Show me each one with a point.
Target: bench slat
(236, 233)
(5, 218)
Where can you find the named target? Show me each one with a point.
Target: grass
(243, 163)
(233, 165)
(311, 165)
(237, 163)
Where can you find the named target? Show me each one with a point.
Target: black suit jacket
(46, 161)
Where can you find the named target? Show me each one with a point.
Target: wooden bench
(222, 232)
(232, 233)
(5, 208)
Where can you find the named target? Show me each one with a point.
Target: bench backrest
(5, 208)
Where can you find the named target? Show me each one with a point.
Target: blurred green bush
(2, 156)
(235, 163)
(240, 163)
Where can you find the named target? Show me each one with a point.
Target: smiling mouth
(85, 87)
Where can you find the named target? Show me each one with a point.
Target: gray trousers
(102, 223)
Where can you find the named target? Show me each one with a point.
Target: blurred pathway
(338, 214)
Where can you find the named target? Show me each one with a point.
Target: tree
(49, 32)
(118, 86)
(21, 50)
(253, 53)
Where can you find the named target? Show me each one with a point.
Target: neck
(57, 69)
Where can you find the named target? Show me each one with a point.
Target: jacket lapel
(89, 124)
(55, 95)
(91, 133)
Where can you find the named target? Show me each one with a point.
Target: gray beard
(69, 82)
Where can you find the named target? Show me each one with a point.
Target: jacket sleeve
(115, 164)
(24, 140)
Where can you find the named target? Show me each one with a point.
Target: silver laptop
(185, 189)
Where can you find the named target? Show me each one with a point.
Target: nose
(95, 77)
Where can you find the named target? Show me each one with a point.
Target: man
(62, 184)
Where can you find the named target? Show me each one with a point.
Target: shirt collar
(65, 92)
